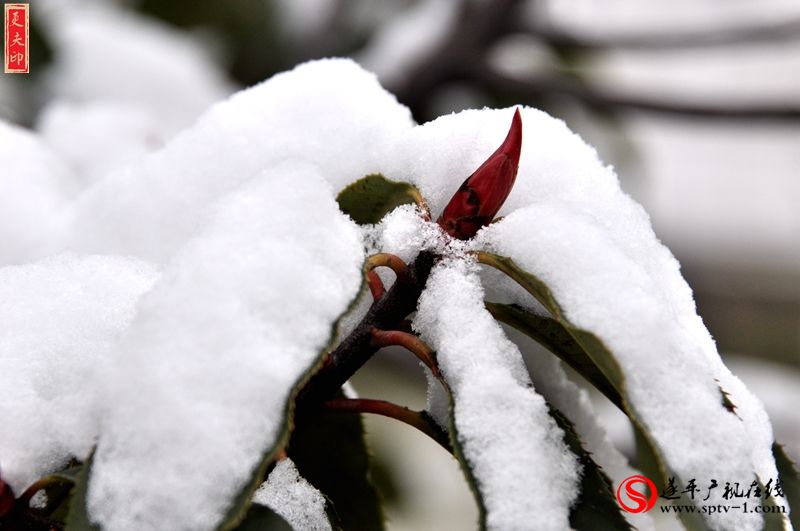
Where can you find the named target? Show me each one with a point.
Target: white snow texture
(521, 464)
(201, 281)
(292, 497)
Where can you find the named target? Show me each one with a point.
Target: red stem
(375, 284)
(389, 260)
(387, 338)
(416, 419)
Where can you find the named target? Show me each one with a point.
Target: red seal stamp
(17, 39)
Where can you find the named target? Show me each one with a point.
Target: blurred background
(695, 102)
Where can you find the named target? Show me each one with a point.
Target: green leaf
(596, 507)
(262, 518)
(370, 198)
(552, 335)
(329, 451)
(787, 471)
(78, 516)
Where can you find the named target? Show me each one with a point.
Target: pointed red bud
(480, 197)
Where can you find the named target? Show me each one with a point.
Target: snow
(292, 497)
(503, 426)
(322, 113)
(97, 137)
(240, 314)
(59, 318)
(778, 386)
(550, 379)
(594, 247)
(35, 183)
(107, 55)
(258, 263)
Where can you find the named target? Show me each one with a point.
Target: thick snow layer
(35, 185)
(59, 318)
(240, 314)
(523, 469)
(294, 498)
(331, 114)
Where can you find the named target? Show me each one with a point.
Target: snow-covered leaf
(329, 114)
(551, 334)
(620, 294)
(510, 443)
(217, 351)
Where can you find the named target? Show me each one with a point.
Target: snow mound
(60, 317)
(239, 316)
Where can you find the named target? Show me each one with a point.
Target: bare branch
(532, 88)
(783, 31)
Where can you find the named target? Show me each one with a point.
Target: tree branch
(386, 313)
(534, 87)
(782, 31)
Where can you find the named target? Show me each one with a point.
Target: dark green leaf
(791, 482)
(330, 453)
(369, 199)
(262, 518)
(552, 335)
(596, 507)
(78, 516)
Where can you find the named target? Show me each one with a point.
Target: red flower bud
(7, 498)
(480, 197)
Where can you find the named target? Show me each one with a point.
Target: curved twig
(417, 419)
(394, 262)
(386, 338)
